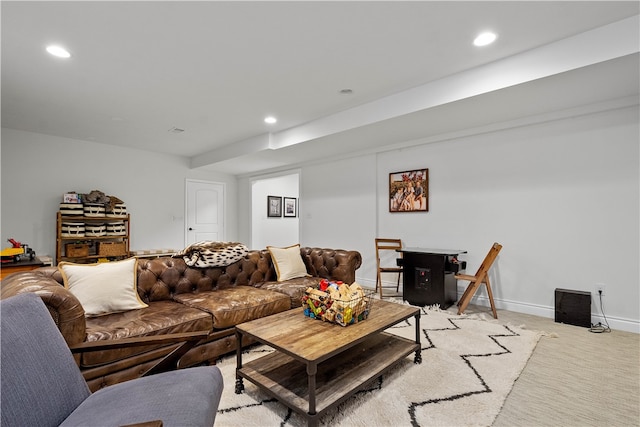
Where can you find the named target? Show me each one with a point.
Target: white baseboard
(618, 323)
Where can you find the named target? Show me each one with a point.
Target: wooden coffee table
(317, 365)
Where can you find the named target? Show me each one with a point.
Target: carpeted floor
(468, 369)
(574, 378)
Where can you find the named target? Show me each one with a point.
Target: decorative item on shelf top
(95, 204)
(113, 206)
(337, 302)
(72, 197)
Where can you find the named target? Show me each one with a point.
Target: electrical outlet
(600, 289)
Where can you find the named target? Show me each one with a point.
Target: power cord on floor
(599, 327)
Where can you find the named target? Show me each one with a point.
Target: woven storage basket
(116, 228)
(119, 211)
(112, 249)
(95, 230)
(94, 210)
(77, 250)
(72, 229)
(71, 209)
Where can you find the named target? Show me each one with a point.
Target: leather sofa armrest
(348, 263)
(64, 307)
(50, 271)
(187, 341)
(138, 341)
(332, 264)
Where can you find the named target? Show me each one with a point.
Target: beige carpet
(574, 378)
(469, 366)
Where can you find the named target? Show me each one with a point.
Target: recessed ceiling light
(485, 38)
(270, 120)
(58, 51)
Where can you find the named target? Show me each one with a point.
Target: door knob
(190, 229)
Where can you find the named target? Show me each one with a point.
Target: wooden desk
(428, 276)
(14, 267)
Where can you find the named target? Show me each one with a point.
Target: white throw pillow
(288, 262)
(103, 288)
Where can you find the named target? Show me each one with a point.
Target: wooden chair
(481, 276)
(388, 245)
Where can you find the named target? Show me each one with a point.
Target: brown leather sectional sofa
(180, 299)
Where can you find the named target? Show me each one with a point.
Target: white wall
(338, 208)
(273, 231)
(37, 169)
(561, 196)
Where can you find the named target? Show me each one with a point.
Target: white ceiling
(216, 69)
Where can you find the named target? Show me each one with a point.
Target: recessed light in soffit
(58, 51)
(485, 38)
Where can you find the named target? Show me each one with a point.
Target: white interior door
(205, 212)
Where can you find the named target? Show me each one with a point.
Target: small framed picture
(290, 207)
(409, 191)
(274, 206)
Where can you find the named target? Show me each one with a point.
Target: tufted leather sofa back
(161, 278)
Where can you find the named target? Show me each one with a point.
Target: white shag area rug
(469, 365)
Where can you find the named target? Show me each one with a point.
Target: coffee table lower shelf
(337, 378)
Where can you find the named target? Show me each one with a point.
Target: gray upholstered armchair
(41, 385)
